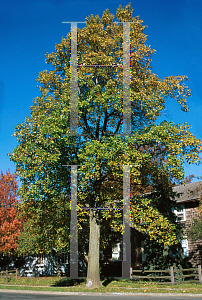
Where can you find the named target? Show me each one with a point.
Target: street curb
(98, 294)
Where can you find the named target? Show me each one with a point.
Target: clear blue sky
(29, 28)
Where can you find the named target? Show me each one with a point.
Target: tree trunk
(93, 272)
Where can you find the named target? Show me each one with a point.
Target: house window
(144, 253)
(116, 252)
(185, 247)
(40, 260)
(180, 213)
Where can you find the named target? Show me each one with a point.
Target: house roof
(189, 192)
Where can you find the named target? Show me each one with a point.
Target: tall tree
(10, 224)
(45, 143)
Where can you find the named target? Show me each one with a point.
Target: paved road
(13, 295)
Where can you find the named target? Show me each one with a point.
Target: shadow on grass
(68, 282)
(75, 282)
(108, 281)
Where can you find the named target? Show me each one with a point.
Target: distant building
(187, 198)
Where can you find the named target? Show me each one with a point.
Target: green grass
(110, 286)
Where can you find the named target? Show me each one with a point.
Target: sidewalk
(127, 288)
(98, 294)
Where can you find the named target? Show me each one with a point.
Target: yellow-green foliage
(45, 145)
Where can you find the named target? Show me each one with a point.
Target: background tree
(47, 230)
(45, 144)
(10, 224)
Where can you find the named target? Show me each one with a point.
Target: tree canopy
(46, 145)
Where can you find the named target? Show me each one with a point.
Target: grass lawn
(109, 285)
